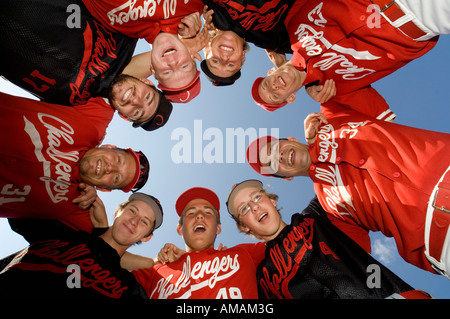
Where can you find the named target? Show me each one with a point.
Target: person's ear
(180, 230)
(219, 229)
(274, 202)
(243, 228)
(146, 239)
(291, 98)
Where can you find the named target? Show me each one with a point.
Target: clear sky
(203, 128)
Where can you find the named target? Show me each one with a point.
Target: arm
(131, 261)
(97, 213)
(168, 253)
(140, 65)
(311, 124)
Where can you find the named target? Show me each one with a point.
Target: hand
(207, 16)
(169, 253)
(312, 123)
(322, 93)
(87, 197)
(278, 59)
(222, 247)
(197, 43)
(97, 213)
(190, 25)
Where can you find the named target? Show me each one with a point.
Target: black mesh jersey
(311, 258)
(57, 51)
(260, 22)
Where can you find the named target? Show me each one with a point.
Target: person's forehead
(144, 208)
(244, 194)
(196, 203)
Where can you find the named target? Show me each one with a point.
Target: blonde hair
(240, 225)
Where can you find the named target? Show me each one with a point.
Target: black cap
(161, 115)
(217, 80)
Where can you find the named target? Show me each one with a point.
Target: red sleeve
(78, 220)
(256, 251)
(367, 101)
(98, 112)
(144, 277)
(347, 225)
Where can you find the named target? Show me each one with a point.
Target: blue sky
(418, 93)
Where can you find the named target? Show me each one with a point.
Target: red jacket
(338, 40)
(142, 19)
(379, 175)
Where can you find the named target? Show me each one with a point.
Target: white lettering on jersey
(206, 274)
(336, 195)
(307, 36)
(56, 188)
(129, 11)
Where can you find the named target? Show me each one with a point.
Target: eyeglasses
(243, 210)
(144, 170)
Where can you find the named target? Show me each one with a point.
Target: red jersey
(379, 175)
(142, 19)
(207, 274)
(343, 40)
(40, 151)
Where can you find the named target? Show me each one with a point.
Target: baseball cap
(238, 187)
(184, 94)
(258, 100)
(195, 193)
(217, 80)
(160, 117)
(153, 202)
(141, 174)
(253, 155)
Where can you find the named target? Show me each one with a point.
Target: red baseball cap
(195, 193)
(184, 94)
(141, 174)
(258, 100)
(253, 155)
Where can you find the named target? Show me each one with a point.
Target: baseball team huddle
(369, 173)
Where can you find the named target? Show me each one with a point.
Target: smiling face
(281, 85)
(199, 225)
(135, 99)
(257, 213)
(172, 63)
(133, 223)
(107, 167)
(225, 54)
(285, 158)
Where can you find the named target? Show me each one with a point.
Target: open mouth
(127, 94)
(99, 167)
(291, 158)
(226, 48)
(169, 51)
(262, 217)
(199, 228)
